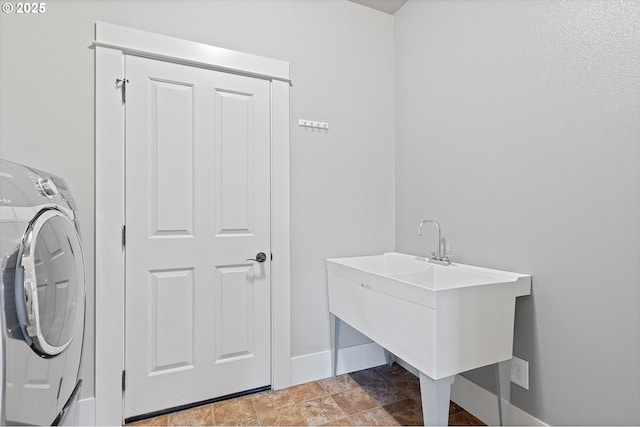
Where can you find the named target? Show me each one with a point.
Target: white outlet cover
(520, 372)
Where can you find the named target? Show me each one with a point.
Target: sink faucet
(441, 257)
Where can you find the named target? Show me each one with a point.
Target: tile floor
(381, 396)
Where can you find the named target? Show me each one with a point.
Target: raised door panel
(171, 158)
(234, 313)
(234, 164)
(171, 320)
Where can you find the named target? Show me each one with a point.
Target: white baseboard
(316, 366)
(484, 405)
(481, 403)
(87, 412)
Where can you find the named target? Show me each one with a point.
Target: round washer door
(51, 300)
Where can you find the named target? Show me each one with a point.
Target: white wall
(518, 128)
(341, 57)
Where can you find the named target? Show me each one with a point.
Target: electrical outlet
(520, 372)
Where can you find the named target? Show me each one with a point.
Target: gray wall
(518, 128)
(341, 56)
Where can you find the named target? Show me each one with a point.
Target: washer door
(50, 296)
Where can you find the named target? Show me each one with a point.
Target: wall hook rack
(313, 125)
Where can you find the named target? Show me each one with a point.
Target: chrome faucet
(441, 257)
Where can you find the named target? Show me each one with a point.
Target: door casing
(111, 44)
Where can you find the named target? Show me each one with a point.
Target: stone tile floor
(381, 396)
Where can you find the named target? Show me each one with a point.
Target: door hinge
(124, 235)
(123, 87)
(123, 380)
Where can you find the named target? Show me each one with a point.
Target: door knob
(260, 257)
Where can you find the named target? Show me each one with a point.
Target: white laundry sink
(442, 320)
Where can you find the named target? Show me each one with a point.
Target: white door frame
(111, 44)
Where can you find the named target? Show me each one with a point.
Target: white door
(197, 207)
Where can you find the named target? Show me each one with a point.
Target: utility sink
(442, 320)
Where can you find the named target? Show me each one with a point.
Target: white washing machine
(42, 298)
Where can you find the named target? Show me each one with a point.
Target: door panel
(197, 206)
(171, 320)
(233, 150)
(172, 141)
(234, 319)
